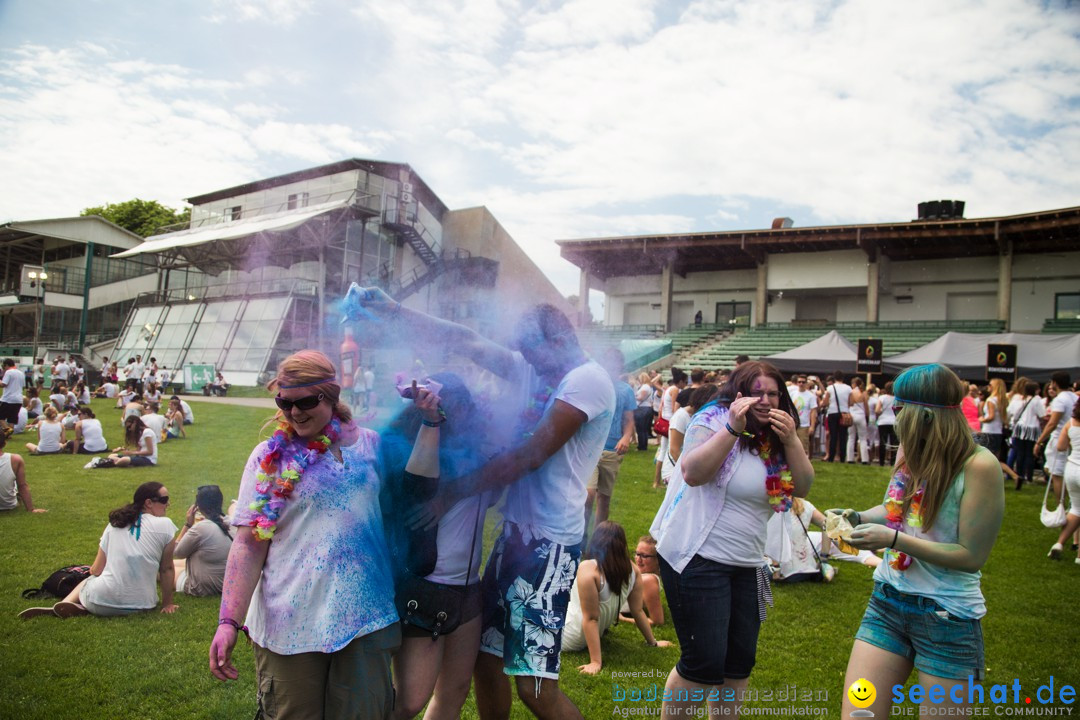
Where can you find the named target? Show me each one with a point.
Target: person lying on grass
(135, 549)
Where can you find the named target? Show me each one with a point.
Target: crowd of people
(352, 558)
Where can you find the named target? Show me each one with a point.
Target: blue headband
(902, 401)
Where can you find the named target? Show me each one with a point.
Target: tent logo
(869, 351)
(1002, 357)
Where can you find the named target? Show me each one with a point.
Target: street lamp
(37, 281)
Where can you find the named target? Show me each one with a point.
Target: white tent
(1037, 355)
(824, 355)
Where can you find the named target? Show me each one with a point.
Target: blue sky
(566, 119)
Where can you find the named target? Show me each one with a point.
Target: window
(1067, 306)
(233, 213)
(298, 200)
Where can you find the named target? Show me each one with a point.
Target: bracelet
(727, 426)
(858, 517)
(894, 539)
(233, 623)
(428, 423)
(188, 525)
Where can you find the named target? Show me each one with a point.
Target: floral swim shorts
(526, 590)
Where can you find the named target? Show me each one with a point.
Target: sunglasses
(304, 403)
(163, 499)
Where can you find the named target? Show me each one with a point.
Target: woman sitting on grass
(604, 582)
(203, 546)
(13, 487)
(89, 435)
(174, 420)
(938, 522)
(139, 449)
(135, 550)
(51, 436)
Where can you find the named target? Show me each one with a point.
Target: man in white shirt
(805, 402)
(61, 371)
(153, 420)
(11, 401)
(839, 394)
(561, 432)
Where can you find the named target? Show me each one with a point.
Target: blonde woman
(51, 435)
(991, 425)
(939, 520)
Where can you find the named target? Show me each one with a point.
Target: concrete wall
(832, 286)
(104, 294)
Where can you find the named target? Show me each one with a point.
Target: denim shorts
(526, 591)
(919, 629)
(715, 611)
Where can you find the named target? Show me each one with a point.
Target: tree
(142, 217)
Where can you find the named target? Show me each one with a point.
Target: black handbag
(433, 607)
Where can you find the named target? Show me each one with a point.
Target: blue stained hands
(366, 304)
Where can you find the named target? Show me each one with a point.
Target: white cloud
(276, 12)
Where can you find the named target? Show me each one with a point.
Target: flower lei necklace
(894, 518)
(778, 484)
(282, 468)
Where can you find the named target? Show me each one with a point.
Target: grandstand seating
(1061, 326)
(771, 338)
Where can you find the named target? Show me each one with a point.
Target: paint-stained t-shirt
(327, 575)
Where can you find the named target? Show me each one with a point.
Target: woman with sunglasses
(742, 461)
(319, 597)
(135, 550)
(938, 522)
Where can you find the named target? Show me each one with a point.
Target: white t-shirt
(131, 565)
(189, 417)
(843, 391)
(20, 424)
(14, 380)
(155, 422)
(93, 438)
(679, 421)
(110, 389)
(888, 410)
(327, 578)
(545, 501)
(1026, 420)
(1062, 403)
(804, 402)
(737, 537)
(62, 371)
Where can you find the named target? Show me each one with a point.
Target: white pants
(857, 431)
(1072, 486)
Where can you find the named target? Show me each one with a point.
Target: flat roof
(384, 169)
(1040, 232)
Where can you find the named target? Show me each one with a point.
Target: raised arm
(372, 306)
(18, 466)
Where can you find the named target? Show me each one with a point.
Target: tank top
(667, 404)
(956, 591)
(994, 427)
(8, 490)
(1074, 445)
(857, 409)
(49, 437)
(93, 439)
(574, 630)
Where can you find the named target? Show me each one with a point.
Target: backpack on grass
(60, 583)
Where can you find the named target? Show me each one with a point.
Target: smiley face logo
(862, 693)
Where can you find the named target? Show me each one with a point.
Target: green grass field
(154, 665)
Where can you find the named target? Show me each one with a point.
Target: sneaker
(92, 464)
(1055, 551)
(35, 612)
(69, 609)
